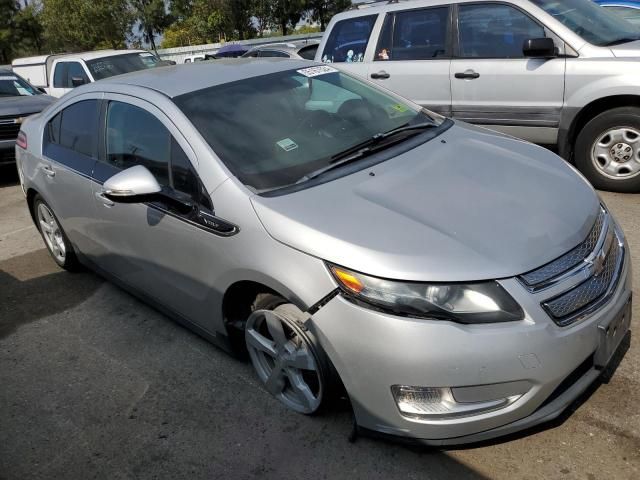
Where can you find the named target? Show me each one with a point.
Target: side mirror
(77, 81)
(539, 48)
(133, 185)
(138, 185)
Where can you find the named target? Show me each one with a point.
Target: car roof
(6, 71)
(176, 80)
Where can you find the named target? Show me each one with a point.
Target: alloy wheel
(52, 233)
(616, 153)
(284, 361)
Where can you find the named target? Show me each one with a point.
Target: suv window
(76, 128)
(273, 53)
(65, 71)
(414, 35)
(494, 31)
(136, 137)
(348, 40)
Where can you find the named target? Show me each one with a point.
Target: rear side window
(348, 40)
(494, 31)
(76, 128)
(273, 53)
(414, 35)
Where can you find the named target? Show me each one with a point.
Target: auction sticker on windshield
(315, 71)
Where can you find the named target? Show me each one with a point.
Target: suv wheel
(54, 237)
(608, 150)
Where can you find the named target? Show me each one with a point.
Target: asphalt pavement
(95, 384)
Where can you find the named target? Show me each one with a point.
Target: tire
(53, 235)
(607, 150)
(287, 383)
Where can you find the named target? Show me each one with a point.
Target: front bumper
(373, 351)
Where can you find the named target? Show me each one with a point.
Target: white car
(559, 73)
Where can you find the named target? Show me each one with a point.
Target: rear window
(348, 40)
(117, 65)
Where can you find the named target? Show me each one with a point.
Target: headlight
(478, 302)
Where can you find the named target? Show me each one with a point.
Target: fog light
(438, 403)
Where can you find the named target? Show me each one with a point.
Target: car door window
(75, 70)
(136, 137)
(348, 40)
(273, 53)
(494, 31)
(59, 76)
(628, 13)
(414, 35)
(71, 136)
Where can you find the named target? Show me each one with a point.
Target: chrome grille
(539, 278)
(590, 293)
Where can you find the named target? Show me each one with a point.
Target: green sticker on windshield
(287, 144)
(398, 107)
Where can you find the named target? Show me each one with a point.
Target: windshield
(592, 22)
(117, 65)
(13, 86)
(272, 130)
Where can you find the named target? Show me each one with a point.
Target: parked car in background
(194, 58)
(18, 100)
(560, 73)
(461, 284)
(59, 74)
(305, 49)
(629, 10)
(230, 50)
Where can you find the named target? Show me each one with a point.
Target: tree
(152, 18)
(28, 28)
(286, 13)
(322, 10)
(203, 21)
(8, 12)
(240, 13)
(74, 25)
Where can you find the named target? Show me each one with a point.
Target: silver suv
(558, 73)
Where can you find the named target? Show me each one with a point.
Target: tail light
(21, 141)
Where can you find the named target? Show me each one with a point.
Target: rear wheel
(608, 150)
(54, 237)
(285, 356)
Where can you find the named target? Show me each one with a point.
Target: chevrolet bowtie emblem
(600, 259)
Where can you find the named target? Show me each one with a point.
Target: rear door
(493, 84)
(69, 153)
(350, 44)
(413, 56)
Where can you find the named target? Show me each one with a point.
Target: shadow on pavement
(32, 286)
(8, 176)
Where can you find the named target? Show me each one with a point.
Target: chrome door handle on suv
(468, 74)
(381, 75)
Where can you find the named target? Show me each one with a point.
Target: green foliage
(152, 19)
(321, 11)
(76, 25)
(285, 14)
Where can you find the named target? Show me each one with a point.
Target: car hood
(24, 104)
(625, 50)
(480, 206)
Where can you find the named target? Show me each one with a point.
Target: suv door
(493, 84)
(65, 74)
(348, 44)
(167, 254)
(413, 56)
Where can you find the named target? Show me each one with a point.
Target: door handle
(105, 201)
(381, 75)
(468, 74)
(48, 171)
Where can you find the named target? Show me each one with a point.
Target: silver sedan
(455, 283)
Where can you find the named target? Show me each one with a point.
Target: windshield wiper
(363, 149)
(619, 41)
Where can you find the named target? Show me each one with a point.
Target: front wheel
(287, 360)
(608, 150)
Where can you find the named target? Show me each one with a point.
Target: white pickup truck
(58, 74)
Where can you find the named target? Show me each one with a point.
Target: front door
(413, 57)
(153, 247)
(493, 84)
